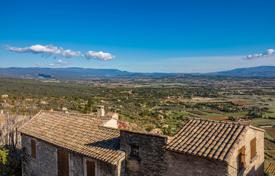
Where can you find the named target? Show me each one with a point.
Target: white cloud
(99, 55)
(267, 53)
(51, 50)
(270, 51)
(46, 50)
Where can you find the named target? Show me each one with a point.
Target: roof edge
(144, 133)
(256, 128)
(195, 156)
(36, 115)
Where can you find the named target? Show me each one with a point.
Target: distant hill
(261, 71)
(71, 73)
(60, 73)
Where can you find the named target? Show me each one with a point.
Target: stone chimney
(100, 111)
(65, 110)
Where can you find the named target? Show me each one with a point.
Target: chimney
(100, 111)
(65, 110)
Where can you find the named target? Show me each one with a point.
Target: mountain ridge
(84, 73)
(259, 71)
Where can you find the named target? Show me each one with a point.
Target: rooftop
(204, 138)
(85, 134)
(270, 169)
(76, 132)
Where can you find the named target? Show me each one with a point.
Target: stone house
(67, 144)
(63, 144)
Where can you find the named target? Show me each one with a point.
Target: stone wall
(253, 166)
(45, 163)
(106, 169)
(188, 165)
(150, 160)
(76, 164)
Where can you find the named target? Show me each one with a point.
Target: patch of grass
(263, 122)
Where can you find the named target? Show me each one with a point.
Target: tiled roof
(204, 138)
(79, 133)
(270, 169)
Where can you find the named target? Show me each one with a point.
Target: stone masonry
(254, 166)
(151, 160)
(45, 163)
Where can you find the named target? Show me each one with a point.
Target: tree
(3, 156)
(10, 161)
(256, 112)
(88, 106)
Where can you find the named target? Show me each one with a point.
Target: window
(63, 162)
(90, 168)
(33, 148)
(134, 151)
(253, 148)
(241, 160)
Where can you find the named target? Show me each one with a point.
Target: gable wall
(45, 163)
(254, 166)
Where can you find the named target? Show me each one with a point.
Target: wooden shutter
(63, 163)
(253, 148)
(33, 148)
(90, 166)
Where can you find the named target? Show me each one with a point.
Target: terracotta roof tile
(204, 138)
(270, 169)
(80, 133)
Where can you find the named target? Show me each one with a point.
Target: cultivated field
(151, 104)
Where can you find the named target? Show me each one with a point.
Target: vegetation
(3, 156)
(10, 161)
(163, 103)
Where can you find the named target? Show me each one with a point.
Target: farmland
(151, 104)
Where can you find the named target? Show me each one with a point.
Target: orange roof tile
(270, 169)
(77, 132)
(204, 138)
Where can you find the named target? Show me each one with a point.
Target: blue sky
(138, 35)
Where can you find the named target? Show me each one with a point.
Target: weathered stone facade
(151, 160)
(253, 166)
(45, 163)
